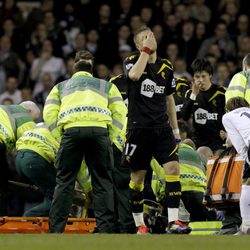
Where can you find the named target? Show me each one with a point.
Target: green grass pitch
(122, 242)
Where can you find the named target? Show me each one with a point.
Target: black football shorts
(142, 144)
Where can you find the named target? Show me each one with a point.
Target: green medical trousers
(93, 143)
(42, 173)
(4, 176)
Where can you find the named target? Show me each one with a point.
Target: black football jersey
(121, 83)
(147, 96)
(182, 86)
(207, 111)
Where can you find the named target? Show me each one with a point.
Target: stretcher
(37, 225)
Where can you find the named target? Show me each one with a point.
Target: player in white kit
(237, 124)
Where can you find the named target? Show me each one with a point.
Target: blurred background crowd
(38, 39)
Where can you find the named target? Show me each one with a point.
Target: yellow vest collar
(184, 145)
(82, 73)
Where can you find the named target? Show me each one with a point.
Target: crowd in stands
(37, 48)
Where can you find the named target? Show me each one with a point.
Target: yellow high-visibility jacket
(14, 121)
(192, 172)
(239, 86)
(85, 101)
(40, 140)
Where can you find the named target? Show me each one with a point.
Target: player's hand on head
(149, 41)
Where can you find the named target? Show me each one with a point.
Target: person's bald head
(205, 152)
(189, 142)
(32, 108)
(246, 62)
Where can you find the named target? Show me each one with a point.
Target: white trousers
(237, 126)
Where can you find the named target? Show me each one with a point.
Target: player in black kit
(149, 134)
(205, 103)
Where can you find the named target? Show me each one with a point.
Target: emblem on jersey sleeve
(173, 84)
(129, 66)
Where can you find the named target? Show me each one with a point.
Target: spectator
(70, 25)
(36, 15)
(124, 36)
(233, 66)
(212, 60)
(9, 9)
(47, 85)
(135, 23)
(55, 34)
(146, 14)
(172, 52)
(124, 51)
(159, 36)
(181, 13)
(215, 51)
(187, 42)
(180, 69)
(125, 11)
(221, 37)
(200, 32)
(78, 44)
(166, 9)
(243, 48)
(10, 64)
(46, 63)
(222, 75)
(102, 71)
(199, 11)
(92, 43)
(171, 28)
(243, 27)
(17, 38)
(116, 70)
(26, 94)
(38, 36)
(12, 92)
(232, 10)
(105, 27)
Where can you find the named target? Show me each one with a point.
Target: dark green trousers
(231, 221)
(43, 174)
(121, 176)
(92, 143)
(4, 176)
(193, 203)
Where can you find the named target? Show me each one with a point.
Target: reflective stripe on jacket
(85, 101)
(239, 86)
(15, 120)
(40, 140)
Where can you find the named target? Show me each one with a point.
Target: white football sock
(245, 202)
(173, 214)
(245, 208)
(138, 218)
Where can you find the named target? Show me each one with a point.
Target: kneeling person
(36, 152)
